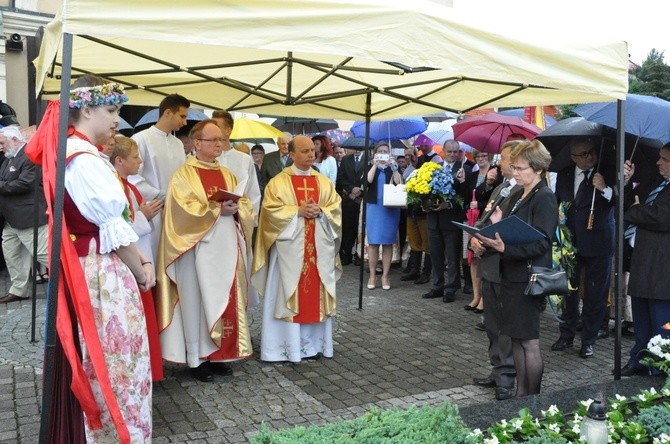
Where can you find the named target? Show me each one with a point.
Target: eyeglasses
(216, 139)
(583, 155)
(518, 168)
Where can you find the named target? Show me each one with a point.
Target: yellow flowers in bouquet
(430, 185)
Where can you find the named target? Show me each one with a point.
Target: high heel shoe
(373, 285)
(387, 285)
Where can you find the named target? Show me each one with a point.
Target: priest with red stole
(202, 292)
(296, 265)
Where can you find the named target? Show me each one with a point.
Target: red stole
(309, 285)
(127, 189)
(211, 181)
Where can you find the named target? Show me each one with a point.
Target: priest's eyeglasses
(216, 139)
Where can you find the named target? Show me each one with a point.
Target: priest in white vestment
(296, 265)
(162, 153)
(202, 278)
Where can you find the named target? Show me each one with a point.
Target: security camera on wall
(14, 43)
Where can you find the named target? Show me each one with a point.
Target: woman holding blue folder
(520, 314)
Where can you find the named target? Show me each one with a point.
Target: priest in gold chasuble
(296, 265)
(202, 293)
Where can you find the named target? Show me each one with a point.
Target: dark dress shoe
(315, 357)
(202, 373)
(484, 382)
(220, 368)
(503, 393)
(603, 334)
(467, 289)
(478, 310)
(562, 344)
(468, 307)
(449, 296)
(480, 326)
(357, 261)
(586, 351)
(345, 262)
(422, 279)
(13, 298)
(628, 370)
(410, 276)
(432, 294)
(627, 332)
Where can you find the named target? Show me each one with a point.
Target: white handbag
(395, 196)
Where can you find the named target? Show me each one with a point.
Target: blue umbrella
(644, 116)
(395, 129)
(152, 117)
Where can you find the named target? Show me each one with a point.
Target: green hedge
(429, 425)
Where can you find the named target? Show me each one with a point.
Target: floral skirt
(119, 319)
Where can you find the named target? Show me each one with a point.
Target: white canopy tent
(320, 58)
(345, 59)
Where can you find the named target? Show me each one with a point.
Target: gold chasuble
(190, 221)
(307, 249)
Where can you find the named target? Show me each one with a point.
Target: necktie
(357, 157)
(631, 230)
(583, 183)
(283, 160)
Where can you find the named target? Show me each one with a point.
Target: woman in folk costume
(125, 158)
(100, 320)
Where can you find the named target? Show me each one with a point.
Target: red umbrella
(490, 131)
(472, 214)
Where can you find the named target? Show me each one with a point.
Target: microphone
(501, 196)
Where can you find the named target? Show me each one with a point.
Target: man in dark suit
(446, 239)
(649, 213)
(349, 185)
(274, 162)
(581, 185)
(18, 177)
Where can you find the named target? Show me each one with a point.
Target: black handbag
(546, 281)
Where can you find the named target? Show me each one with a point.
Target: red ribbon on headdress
(42, 149)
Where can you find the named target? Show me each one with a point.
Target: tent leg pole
(619, 282)
(368, 112)
(54, 263)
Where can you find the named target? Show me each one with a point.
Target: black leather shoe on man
(422, 279)
(503, 393)
(562, 344)
(484, 382)
(412, 275)
(202, 373)
(628, 370)
(220, 368)
(433, 294)
(449, 296)
(586, 351)
(13, 298)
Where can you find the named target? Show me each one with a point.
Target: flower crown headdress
(99, 95)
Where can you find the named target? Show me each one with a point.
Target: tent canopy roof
(320, 58)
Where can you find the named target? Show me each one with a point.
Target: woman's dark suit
(520, 313)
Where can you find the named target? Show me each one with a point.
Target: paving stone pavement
(399, 350)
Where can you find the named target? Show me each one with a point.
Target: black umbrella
(358, 144)
(556, 138)
(301, 125)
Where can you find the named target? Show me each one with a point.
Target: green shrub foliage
(655, 420)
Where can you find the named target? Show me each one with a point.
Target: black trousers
(446, 245)
(597, 271)
(350, 210)
(500, 345)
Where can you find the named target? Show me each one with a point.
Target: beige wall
(41, 6)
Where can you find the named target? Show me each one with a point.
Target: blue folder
(512, 230)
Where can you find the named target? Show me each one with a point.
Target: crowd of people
(169, 244)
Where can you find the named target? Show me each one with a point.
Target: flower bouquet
(430, 186)
(563, 252)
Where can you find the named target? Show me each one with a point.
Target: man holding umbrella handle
(585, 193)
